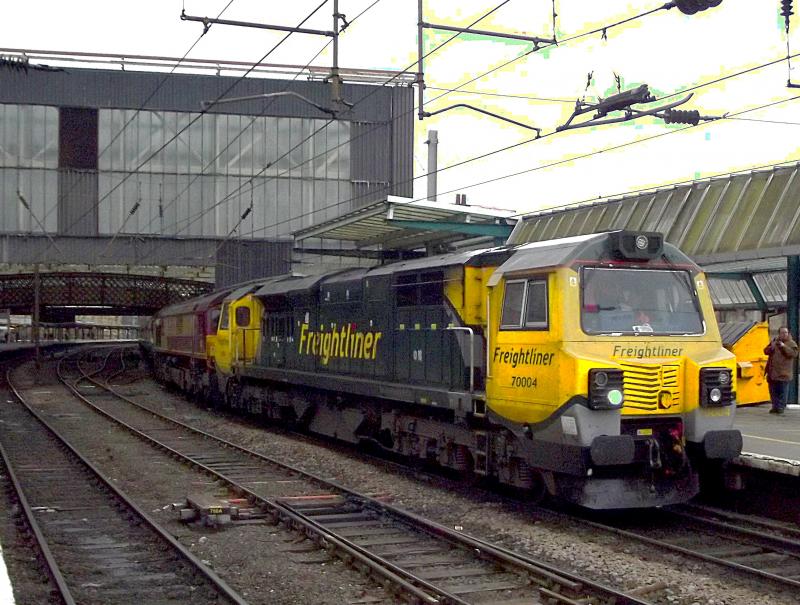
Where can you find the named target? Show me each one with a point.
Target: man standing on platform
(780, 369)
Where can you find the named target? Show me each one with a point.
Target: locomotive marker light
(615, 397)
(605, 389)
(601, 379)
(641, 242)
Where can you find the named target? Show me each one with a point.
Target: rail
(136, 529)
(486, 565)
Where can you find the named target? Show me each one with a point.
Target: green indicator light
(615, 397)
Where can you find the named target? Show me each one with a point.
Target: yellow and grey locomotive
(590, 367)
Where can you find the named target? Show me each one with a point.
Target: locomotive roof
(194, 304)
(289, 285)
(567, 251)
(253, 287)
(595, 247)
(432, 262)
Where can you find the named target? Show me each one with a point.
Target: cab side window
(512, 304)
(213, 321)
(224, 318)
(242, 317)
(536, 304)
(525, 305)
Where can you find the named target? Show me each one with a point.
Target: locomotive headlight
(641, 242)
(605, 389)
(716, 387)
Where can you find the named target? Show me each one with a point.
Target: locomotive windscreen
(639, 301)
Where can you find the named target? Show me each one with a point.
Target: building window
(195, 175)
(77, 140)
(224, 318)
(28, 164)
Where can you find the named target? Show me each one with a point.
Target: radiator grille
(651, 387)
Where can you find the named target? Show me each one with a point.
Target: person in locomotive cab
(633, 303)
(617, 309)
(780, 368)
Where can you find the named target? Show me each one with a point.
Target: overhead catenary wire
(616, 148)
(261, 114)
(569, 159)
(479, 157)
(141, 107)
(430, 52)
(369, 131)
(504, 96)
(128, 175)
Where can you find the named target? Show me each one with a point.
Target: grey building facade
(101, 157)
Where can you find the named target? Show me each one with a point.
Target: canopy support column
(793, 311)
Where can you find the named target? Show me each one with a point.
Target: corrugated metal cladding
(738, 216)
(239, 261)
(403, 140)
(97, 88)
(215, 155)
(370, 163)
(136, 250)
(253, 154)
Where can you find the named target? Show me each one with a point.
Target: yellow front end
(534, 372)
(634, 412)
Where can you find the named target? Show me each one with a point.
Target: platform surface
(770, 436)
(6, 592)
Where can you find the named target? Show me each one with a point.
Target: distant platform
(9, 348)
(771, 441)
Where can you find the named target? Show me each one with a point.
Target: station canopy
(398, 223)
(740, 228)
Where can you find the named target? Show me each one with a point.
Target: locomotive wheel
(233, 392)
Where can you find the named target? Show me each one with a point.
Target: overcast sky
(667, 50)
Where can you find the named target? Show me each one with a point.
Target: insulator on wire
(678, 116)
(786, 11)
(690, 7)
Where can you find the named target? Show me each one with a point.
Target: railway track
(756, 547)
(96, 545)
(760, 548)
(422, 561)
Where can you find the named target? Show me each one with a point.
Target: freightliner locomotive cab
(604, 359)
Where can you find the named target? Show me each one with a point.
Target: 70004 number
(523, 382)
